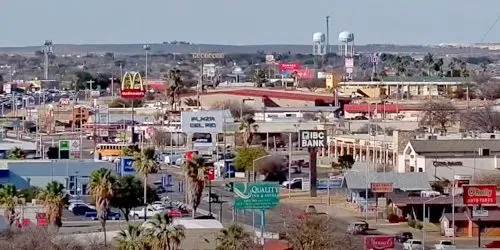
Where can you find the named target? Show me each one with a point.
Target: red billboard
(306, 74)
(379, 242)
(480, 194)
(289, 66)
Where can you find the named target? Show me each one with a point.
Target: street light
(423, 219)
(146, 48)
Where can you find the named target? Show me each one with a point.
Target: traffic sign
(257, 195)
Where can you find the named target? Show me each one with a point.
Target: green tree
(128, 193)
(259, 77)
(248, 127)
(53, 198)
(9, 198)
(145, 164)
(163, 234)
(234, 238)
(245, 157)
(30, 193)
(82, 78)
(130, 150)
(345, 162)
(101, 184)
(16, 154)
(132, 238)
(195, 173)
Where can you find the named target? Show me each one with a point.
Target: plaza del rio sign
(480, 194)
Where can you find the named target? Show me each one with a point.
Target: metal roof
(454, 146)
(402, 181)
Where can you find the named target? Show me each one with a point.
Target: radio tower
(327, 34)
(47, 49)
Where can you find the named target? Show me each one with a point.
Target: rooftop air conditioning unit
(483, 152)
(431, 137)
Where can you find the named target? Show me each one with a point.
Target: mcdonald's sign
(132, 86)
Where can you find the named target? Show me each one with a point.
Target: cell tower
(346, 44)
(47, 49)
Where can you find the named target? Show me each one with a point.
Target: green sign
(64, 145)
(257, 195)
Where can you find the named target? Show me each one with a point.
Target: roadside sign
(379, 242)
(64, 145)
(257, 195)
(95, 93)
(211, 174)
(313, 138)
(480, 194)
(479, 213)
(382, 187)
(127, 165)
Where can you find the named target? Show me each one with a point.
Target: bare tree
(485, 120)
(489, 90)
(489, 178)
(235, 107)
(161, 138)
(318, 232)
(442, 114)
(313, 84)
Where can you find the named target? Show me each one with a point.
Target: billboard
(209, 70)
(127, 165)
(289, 66)
(307, 74)
(349, 62)
(256, 195)
(480, 194)
(379, 242)
(202, 121)
(382, 187)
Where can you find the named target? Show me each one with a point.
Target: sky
(237, 22)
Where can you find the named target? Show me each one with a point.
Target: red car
(493, 244)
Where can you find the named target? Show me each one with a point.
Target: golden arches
(130, 79)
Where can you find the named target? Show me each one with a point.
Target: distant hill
(131, 49)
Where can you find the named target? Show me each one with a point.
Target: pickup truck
(445, 245)
(139, 213)
(412, 244)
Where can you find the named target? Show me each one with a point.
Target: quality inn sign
(257, 195)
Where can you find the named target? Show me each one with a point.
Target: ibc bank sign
(202, 122)
(313, 139)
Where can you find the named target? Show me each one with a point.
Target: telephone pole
(327, 34)
(47, 49)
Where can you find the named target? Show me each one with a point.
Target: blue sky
(30, 22)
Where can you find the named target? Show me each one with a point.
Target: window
(412, 169)
(420, 170)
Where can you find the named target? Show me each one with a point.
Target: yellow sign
(332, 80)
(131, 79)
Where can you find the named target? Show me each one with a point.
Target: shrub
(411, 223)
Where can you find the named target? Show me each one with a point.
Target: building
(440, 157)
(73, 174)
(466, 226)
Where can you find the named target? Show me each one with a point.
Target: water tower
(346, 44)
(319, 44)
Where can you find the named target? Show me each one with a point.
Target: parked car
(110, 215)
(445, 245)
(295, 183)
(402, 237)
(412, 244)
(212, 198)
(493, 244)
(81, 209)
(139, 213)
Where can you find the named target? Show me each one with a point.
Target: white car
(412, 244)
(139, 213)
(159, 205)
(73, 205)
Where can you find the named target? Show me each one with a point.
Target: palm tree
(130, 150)
(164, 235)
(195, 173)
(144, 164)
(258, 77)
(54, 200)
(248, 127)
(174, 86)
(9, 198)
(16, 154)
(233, 238)
(101, 184)
(131, 238)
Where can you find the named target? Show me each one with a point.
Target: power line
(490, 28)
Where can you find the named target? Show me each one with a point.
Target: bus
(107, 150)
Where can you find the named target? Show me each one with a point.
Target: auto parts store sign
(257, 195)
(379, 242)
(480, 194)
(202, 122)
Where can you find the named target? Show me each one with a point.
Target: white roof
(199, 224)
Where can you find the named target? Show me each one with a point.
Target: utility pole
(146, 48)
(327, 34)
(90, 82)
(47, 48)
(113, 85)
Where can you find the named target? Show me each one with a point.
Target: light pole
(423, 219)
(146, 48)
(113, 85)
